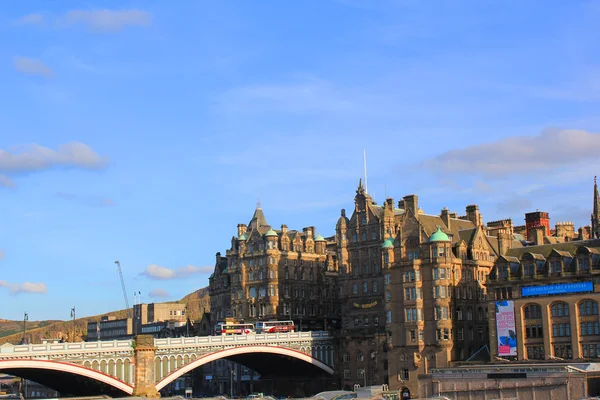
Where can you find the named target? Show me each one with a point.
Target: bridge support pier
(144, 377)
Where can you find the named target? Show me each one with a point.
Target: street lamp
(73, 316)
(25, 319)
(232, 371)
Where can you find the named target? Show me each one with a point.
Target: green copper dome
(319, 238)
(388, 244)
(271, 232)
(243, 237)
(439, 236)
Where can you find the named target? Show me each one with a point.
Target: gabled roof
(535, 256)
(561, 253)
(467, 235)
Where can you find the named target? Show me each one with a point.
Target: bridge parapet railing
(9, 350)
(244, 339)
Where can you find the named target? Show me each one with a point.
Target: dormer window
(555, 266)
(528, 270)
(503, 271)
(584, 263)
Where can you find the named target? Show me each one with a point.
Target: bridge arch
(205, 359)
(75, 369)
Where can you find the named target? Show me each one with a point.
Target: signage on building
(505, 328)
(557, 288)
(366, 305)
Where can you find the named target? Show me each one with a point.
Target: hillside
(12, 331)
(8, 328)
(197, 303)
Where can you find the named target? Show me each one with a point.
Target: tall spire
(365, 165)
(258, 201)
(596, 212)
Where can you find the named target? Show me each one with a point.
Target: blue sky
(145, 133)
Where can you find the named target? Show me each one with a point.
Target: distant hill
(197, 303)
(12, 331)
(8, 328)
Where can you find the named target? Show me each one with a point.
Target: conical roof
(258, 219)
(439, 236)
(271, 232)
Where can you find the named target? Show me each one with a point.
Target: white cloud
(155, 271)
(106, 20)
(34, 157)
(159, 293)
(551, 149)
(30, 19)
(27, 287)
(32, 66)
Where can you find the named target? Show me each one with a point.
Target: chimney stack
(411, 202)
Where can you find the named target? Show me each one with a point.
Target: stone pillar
(144, 379)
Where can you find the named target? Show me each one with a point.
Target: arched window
(374, 286)
(355, 288)
(588, 307)
(480, 314)
(389, 317)
(459, 313)
(360, 356)
(287, 274)
(560, 309)
(533, 311)
(469, 314)
(365, 287)
(252, 292)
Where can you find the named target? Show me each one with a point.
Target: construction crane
(123, 287)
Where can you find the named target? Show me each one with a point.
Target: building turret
(320, 244)
(596, 213)
(341, 232)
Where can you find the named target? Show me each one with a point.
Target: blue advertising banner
(557, 288)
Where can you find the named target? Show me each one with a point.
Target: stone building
(434, 292)
(150, 316)
(359, 240)
(219, 291)
(552, 292)
(280, 274)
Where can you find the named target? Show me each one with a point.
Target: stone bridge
(144, 366)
